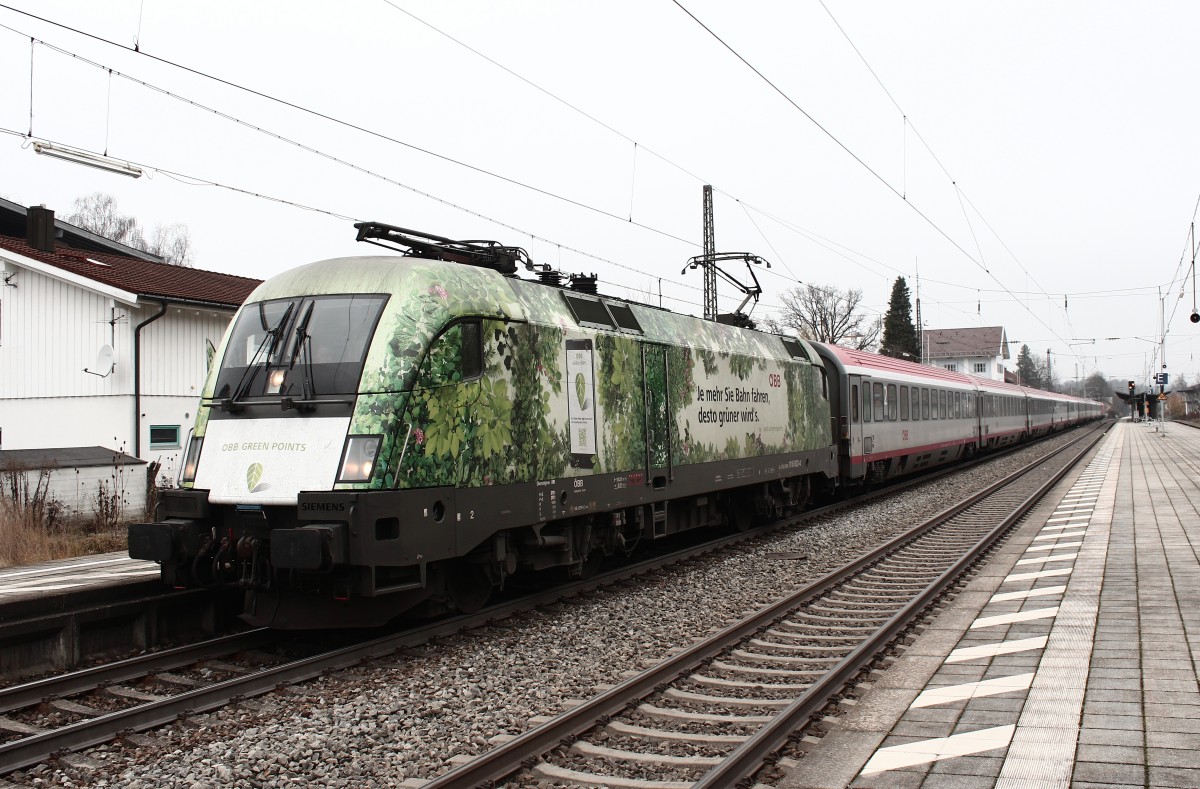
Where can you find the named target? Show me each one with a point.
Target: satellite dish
(104, 364)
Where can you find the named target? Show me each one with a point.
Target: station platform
(49, 586)
(1069, 661)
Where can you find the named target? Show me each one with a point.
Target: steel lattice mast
(710, 263)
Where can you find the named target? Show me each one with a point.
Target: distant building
(103, 347)
(1190, 396)
(975, 351)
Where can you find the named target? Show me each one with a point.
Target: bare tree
(828, 315)
(98, 213)
(173, 244)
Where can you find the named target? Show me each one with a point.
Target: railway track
(73, 711)
(715, 713)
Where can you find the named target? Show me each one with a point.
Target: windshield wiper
(234, 403)
(302, 352)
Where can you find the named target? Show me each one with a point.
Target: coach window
(916, 403)
(958, 405)
(904, 404)
(892, 403)
(877, 401)
(854, 403)
(924, 403)
(866, 401)
(942, 404)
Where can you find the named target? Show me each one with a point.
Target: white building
(977, 351)
(101, 345)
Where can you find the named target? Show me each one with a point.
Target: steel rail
(94, 731)
(27, 694)
(511, 756)
(751, 755)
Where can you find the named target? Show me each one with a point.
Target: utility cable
(858, 159)
(199, 181)
(346, 124)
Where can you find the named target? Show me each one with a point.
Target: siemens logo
(323, 506)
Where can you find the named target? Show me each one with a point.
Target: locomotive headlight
(192, 459)
(275, 379)
(358, 459)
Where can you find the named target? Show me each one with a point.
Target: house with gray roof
(977, 351)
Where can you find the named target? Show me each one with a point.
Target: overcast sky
(1034, 162)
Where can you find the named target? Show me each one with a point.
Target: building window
(951, 367)
(981, 367)
(164, 436)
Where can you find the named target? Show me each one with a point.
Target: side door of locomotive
(655, 374)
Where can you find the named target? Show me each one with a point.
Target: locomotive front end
(289, 485)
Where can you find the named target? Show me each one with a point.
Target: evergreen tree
(1030, 369)
(900, 338)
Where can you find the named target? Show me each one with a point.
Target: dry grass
(33, 527)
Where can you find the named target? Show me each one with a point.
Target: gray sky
(1018, 155)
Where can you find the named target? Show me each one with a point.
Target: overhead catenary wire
(198, 180)
(888, 185)
(339, 122)
(744, 204)
(359, 128)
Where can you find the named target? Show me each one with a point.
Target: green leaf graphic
(253, 475)
(580, 389)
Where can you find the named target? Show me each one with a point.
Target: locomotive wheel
(468, 586)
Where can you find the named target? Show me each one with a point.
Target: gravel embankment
(378, 725)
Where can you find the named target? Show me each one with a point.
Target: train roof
(868, 363)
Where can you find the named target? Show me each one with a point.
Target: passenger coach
(894, 417)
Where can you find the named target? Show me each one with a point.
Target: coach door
(658, 427)
(859, 411)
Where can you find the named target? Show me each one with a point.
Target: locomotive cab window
(311, 346)
(472, 350)
(455, 356)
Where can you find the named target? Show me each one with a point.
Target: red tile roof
(143, 277)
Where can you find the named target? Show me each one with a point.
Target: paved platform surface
(1068, 662)
(49, 586)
